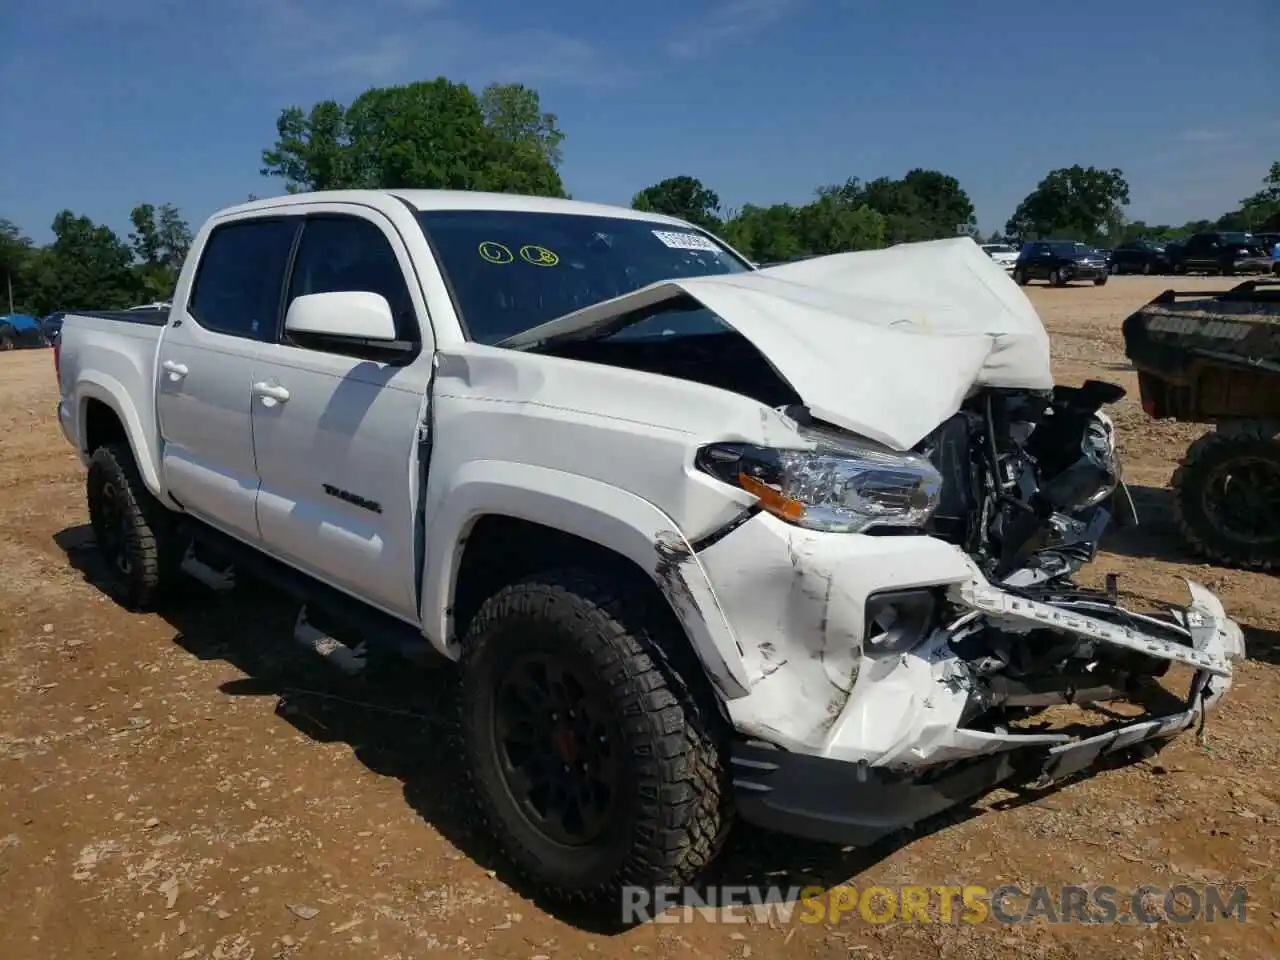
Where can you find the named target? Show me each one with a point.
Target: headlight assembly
(841, 485)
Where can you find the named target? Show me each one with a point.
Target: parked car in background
(1059, 262)
(1003, 254)
(1223, 252)
(1139, 256)
(19, 330)
(1271, 242)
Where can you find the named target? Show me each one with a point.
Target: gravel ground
(193, 786)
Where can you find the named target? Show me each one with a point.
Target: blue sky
(109, 103)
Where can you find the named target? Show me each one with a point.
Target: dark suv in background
(1222, 252)
(1059, 262)
(1140, 256)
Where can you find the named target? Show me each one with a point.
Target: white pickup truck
(703, 541)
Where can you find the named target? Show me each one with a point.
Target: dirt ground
(195, 786)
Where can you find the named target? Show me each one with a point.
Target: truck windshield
(512, 270)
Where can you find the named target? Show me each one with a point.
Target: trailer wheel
(1227, 497)
(588, 757)
(133, 531)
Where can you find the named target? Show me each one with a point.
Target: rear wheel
(1057, 278)
(1227, 497)
(590, 759)
(1019, 276)
(133, 531)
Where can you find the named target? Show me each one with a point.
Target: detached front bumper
(840, 745)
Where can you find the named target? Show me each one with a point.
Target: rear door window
(240, 277)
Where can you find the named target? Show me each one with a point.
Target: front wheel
(1115, 269)
(132, 530)
(1057, 279)
(590, 759)
(1227, 497)
(1100, 281)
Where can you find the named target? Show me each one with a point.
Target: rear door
(1038, 261)
(336, 429)
(205, 370)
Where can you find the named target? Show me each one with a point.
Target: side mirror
(349, 314)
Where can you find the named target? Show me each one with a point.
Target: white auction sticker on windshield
(679, 240)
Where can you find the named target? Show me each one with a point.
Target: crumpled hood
(886, 343)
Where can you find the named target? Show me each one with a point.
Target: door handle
(268, 392)
(175, 370)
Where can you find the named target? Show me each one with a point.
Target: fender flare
(95, 385)
(598, 512)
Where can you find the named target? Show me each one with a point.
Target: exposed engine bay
(1031, 481)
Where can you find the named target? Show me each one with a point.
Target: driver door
(336, 429)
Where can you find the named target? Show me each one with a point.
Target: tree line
(440, 134)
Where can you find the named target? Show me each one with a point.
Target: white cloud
(731, 21)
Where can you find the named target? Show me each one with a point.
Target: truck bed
(107, 355)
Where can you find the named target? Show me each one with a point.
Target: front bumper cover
(826, 798)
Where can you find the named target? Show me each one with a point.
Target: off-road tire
(147, 528)
(1195, 471)
(677, 809)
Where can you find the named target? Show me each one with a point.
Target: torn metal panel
(1020, 612)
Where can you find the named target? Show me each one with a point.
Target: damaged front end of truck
(901, 584)
(952, 654)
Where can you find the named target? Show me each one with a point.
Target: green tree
(833, 223)
(923, 205)
(160, 241)
(1262, 210)
(428, 134)
(513, 112)
(1081, 203)
(765, 234)
(86, 267)
(684, 197)
(19, 261)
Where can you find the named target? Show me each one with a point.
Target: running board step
(219, 580)
(350, 661)
(336, 612)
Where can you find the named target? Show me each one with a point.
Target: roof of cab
(427, 200)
